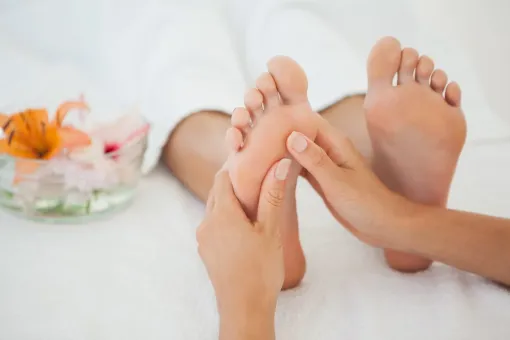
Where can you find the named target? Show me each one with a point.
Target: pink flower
(112, 137)
(114, 146)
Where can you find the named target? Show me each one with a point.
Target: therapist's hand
(244, 260)
(352, 192)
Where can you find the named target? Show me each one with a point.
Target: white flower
(111, 149)
(89, 155)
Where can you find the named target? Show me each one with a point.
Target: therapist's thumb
(272, 195)
(312, 157)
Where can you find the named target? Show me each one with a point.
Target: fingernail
(282, 169)
(298, 142)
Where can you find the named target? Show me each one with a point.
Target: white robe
(168, 58)
(174, 58)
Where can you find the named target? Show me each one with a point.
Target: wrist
(247, 320)
(404, 228)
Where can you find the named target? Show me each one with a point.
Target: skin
(195, 151)
(244, 259)
(381, 218)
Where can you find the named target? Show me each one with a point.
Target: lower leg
(195, 150)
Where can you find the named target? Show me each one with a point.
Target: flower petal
(39, 115)
(4, 147)
(24, 168)
(138, 133)
(18, 129)
(37, 122)
(52, 142)
(15, 149)
(121, 129)
(72, 138)
(92, 153)
(27, 128)
(64, 108)
(4, 119)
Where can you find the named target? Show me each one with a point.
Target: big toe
(290, 79)
(384, 62)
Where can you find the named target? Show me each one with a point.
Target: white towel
(138, 275)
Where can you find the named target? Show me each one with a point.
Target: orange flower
(30, 135)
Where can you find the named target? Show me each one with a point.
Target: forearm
(476, 243)
(248, 323)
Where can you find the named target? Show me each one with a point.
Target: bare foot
(277, 107)
(417, 130)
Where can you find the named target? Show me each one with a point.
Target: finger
(329, 139)
(210, 202)
(225, 201)
(272, 196)
(223, 191)
(336, 145)
(313, 158)
(211, 198)
(314, 183)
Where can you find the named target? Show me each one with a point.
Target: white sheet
(136, 277)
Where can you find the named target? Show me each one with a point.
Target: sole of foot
(276, 107)
(417, 130)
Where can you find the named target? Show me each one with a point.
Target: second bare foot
(417, 130)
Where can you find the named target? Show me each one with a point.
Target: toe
(408, 64)
(438, 81)
(384, 62)
(234, 139)
(241, 119)
(453, 94)
(424, 70)
(290, 79)
(265, 83)
(253, 100)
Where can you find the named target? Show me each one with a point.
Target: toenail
(298, 141)
(282, 169)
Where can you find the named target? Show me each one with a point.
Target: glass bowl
(67, 190)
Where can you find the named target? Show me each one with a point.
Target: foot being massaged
(394, 200)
